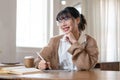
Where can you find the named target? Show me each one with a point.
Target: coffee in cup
(29, 61)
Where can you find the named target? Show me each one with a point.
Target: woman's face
(68, 25)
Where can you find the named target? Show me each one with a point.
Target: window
(32, 23)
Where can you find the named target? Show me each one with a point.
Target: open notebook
(18, 70)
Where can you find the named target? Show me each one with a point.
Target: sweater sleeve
(45, 53)
(84, 55)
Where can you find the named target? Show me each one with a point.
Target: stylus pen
(40, 56)
(42, 59)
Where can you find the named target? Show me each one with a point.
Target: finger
(42, 66)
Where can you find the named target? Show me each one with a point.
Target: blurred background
(27, 25)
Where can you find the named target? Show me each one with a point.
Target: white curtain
(104, 24)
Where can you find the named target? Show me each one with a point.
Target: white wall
(7, 30)
(75, 2)
(56, 8)
(71, 3)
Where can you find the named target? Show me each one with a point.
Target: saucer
(7, 63)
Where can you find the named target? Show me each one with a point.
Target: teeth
(66, 29)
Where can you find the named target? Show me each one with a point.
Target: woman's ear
(78, 20)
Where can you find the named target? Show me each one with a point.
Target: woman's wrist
(74, 41)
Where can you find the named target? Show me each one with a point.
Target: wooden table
(95, 74)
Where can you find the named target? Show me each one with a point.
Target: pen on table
(42, 59)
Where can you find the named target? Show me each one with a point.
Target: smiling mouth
(66, 29)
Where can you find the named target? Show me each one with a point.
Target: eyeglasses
(65, 19)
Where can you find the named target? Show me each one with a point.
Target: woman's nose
(63, 22)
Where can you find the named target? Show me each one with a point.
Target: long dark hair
(72, 12)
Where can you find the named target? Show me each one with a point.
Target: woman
(74, 50)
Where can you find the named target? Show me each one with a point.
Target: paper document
(19, 70)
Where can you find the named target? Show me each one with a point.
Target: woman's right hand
(71, 38)
(43, 65)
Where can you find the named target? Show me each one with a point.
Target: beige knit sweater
(84, 56)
